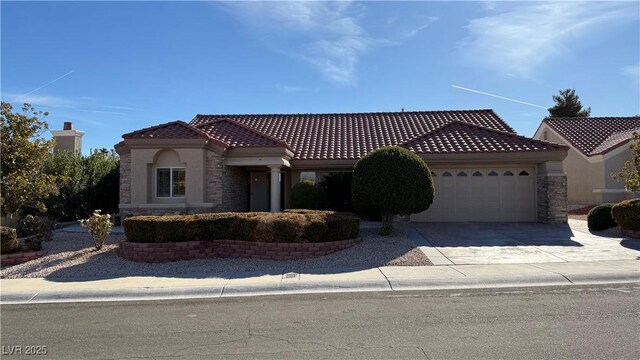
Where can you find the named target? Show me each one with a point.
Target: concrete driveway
(509, 243)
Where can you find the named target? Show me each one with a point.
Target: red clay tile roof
(458, 137)
(237, 135)
(352, 135)
(172, 130)
(595, 135)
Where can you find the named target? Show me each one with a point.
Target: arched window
(507, 173)
(523, 173)
(462, 173)
(170, 175)
(493, 173)
(446, 173)
(477, 173)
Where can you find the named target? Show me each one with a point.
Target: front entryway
(482, 194)
(259, 191)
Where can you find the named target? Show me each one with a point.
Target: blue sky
(115, 67)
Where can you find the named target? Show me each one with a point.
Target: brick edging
(20, 257)
(631, 233)
(174, 251)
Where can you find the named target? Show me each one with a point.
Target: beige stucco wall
(582, 175)
(144, 162)
(614, 163)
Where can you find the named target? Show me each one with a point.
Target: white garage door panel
(482, 194)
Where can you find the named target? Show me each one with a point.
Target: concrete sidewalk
(390, 278)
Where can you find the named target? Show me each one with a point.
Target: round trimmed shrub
(307, 195)
(394, 180)
(627, 214)
(8, 240)
(599, 218)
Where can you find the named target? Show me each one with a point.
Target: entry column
(275, 187)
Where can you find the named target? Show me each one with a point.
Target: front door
(259, 191)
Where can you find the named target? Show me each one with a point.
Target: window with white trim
(170, 182)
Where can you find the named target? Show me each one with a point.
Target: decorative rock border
(167, 252)
(19, 257)
(631, 233)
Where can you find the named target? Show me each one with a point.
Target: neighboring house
(597, 147)
(482, 169)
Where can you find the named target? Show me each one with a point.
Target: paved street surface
(510, 243)
(580, 321)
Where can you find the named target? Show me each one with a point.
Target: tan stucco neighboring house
(482, 169)
(597, 147)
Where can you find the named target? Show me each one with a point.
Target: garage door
(482, 194)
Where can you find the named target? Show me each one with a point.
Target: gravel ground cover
(71, 255)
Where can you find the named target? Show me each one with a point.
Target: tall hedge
(85, 183)
(394, 180)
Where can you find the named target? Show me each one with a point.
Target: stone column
(552, 193)
(275, 187)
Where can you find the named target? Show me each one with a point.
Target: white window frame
(170, 168)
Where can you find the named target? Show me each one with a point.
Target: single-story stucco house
(482, 169)
(598, 146)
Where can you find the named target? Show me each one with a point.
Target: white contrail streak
(498, 96)
(47, 84)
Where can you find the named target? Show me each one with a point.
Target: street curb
(313, 287)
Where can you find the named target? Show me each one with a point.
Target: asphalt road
(578, 322)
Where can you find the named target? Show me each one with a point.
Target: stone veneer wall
(227, 186)
(215, 166)
(125, 179)
(235, 189)
(552, 199)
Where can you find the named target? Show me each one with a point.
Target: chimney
(68, 139)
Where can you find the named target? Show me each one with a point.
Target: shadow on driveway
(496, 234)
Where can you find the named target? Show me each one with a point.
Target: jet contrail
(498, 96)
(47, 84)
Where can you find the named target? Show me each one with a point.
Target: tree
(24, 151)
(394, 180)
(86, 183)
(630, 172)
(568, 105)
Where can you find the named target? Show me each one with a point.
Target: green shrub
(36, 225)
(85, 183)
(627, 214)
(33, 243)
(599, 218)
(394, 180)
(307, 195)
(99, 227)
(8, 240)
(289, 226)
(140, 228)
